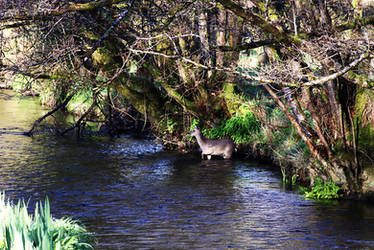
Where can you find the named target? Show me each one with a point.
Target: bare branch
(264, 80)
(80, 120)
(357, 23)
(254, 19)
(246, 46)
(70, 7)
(37, 122)
(341, 72)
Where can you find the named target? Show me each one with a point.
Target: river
(133, 195)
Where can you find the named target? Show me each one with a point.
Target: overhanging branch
(70, 7)
(260, 22)
(202, 66)
(246, 46)
(356, 23)
(263, 80)
(335, 75)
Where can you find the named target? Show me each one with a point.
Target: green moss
(363, 97)
(231, 98)
(366, 138)
(102, 56)
(89, 35)
(121, 5)
(20, 82)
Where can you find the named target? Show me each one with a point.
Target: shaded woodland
(294, 79)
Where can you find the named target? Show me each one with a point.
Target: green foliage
(170, 124)
(20, 82)
(167, 125)
(240, 128)
(281, 141)
(322, 190)
(294, 179)
(81, 100)
(286, 180)
(194, 124)
(19, 230)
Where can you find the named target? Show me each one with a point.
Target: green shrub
(322, 190)
(19, 230)
(240, 128)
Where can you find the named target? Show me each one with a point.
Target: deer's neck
(201, 139)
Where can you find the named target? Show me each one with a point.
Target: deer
(209, 147)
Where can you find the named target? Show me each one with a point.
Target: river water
(133, 195)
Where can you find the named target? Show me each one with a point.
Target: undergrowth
(241, 129)
(275, 138)
(321, 190)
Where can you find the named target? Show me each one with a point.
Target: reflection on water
(132, 194)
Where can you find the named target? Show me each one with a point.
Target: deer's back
(217, 147)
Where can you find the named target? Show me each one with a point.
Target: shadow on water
(133, 195)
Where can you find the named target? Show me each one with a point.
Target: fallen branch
(37, 122)
(78, 123)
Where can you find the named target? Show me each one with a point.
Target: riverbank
(279, 146)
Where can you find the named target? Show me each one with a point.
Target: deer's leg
(209, 157)
(226, 156)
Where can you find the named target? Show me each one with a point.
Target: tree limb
(202, 66)
(37, 122)
(264, 80)
(78, 123)
(336, 74)
(260, 22)
(171, 16)
(245, 46)
(313, 149)
(70, 7)
(356, 23)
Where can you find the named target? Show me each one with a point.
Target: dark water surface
(133, 195)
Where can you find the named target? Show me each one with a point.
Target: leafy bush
(240, 128)
(19, 230)
(322, 190)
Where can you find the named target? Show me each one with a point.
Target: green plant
(81, 101)
(194, 124)
(20, 230)
(294, 179)
(287, 181)
(240, 128)
(170, 125)
(322, 190)
(283, 171)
